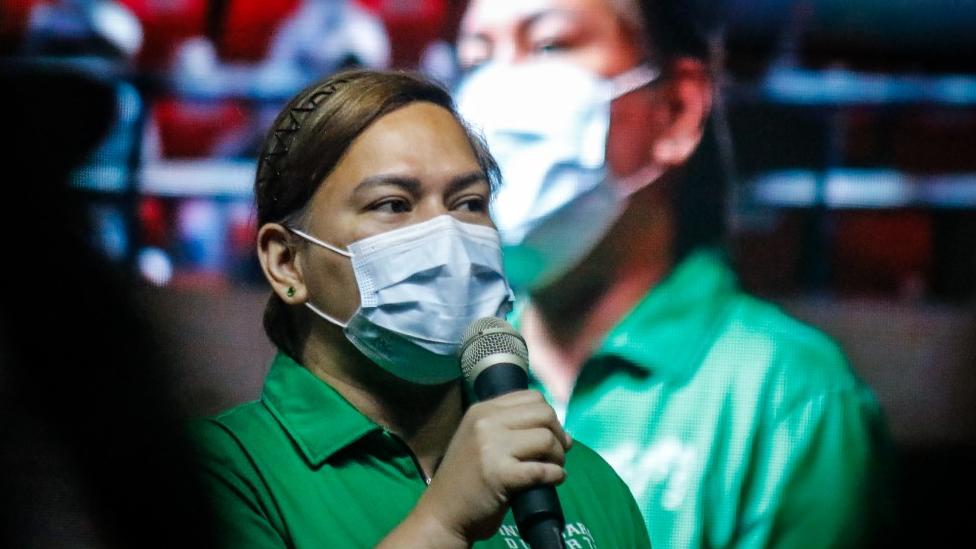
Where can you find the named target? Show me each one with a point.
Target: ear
(279, 262)
(688, 93)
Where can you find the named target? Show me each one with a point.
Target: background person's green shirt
(735, 425)
(301, 468)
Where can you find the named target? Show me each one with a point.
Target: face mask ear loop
(633, 79)
(325, 316)
(312, 239)
(644, 177)
(624, 83)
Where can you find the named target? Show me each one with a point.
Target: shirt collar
(670, 330)
(315, 416)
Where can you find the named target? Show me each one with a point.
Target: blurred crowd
(196, 84)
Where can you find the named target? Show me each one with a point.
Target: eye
(549, 46)
(473, 203)
(392, 206)
(556, 32)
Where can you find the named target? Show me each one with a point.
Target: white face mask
(546, 124)
(420, 287)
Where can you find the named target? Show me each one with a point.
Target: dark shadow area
(92, 452)
(935, 495)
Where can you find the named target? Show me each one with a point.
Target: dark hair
(675, 28)
(311, 135)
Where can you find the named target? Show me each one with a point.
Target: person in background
(376, 241)
(319, 38)
(103, 37)
(99, 28)
(314, 39)
(735, 425)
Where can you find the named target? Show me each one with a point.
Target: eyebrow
(555, 11)
(526, 23)
(467, 180)
(548, 13)
(412, 184)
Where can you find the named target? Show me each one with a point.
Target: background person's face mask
(546, 124)
(420, 287)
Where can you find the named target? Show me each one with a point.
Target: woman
(375, 237)
(726, 416)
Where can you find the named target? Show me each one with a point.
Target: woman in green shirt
(735, 425)
(375, 237)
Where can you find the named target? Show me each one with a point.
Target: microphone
(495, 361)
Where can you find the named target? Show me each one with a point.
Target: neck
(566, 322)
(423, 416)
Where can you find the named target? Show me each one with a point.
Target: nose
(507, 52)
(429, 209)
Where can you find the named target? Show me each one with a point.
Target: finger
(528, 474)
(519, 414)
(518, 398)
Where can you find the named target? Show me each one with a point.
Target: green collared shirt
(301, 468)
(735, 425)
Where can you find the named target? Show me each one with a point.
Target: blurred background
(847, 144)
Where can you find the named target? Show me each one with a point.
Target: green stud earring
(291, 291)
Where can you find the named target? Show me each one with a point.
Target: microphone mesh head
(490, 336)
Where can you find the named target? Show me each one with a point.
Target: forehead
(421, 141)
(412, 130)
(501, 12)
(590, 33)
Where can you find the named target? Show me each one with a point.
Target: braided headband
(283, 136)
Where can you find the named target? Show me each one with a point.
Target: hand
(502, 446)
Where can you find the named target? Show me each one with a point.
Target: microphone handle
(501, 378)
(537, 511)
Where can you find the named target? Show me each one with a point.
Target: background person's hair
(674, 29)
(667, 28)
(311, 135)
